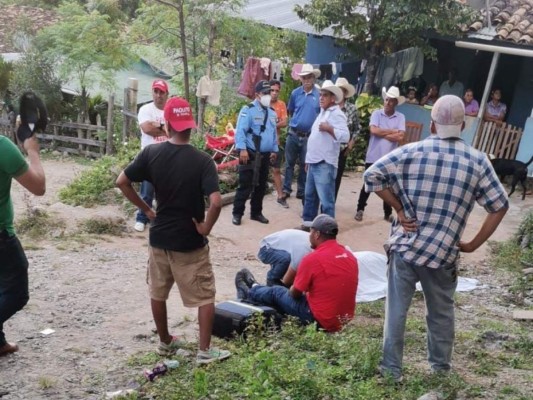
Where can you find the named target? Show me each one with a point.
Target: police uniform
(256, 120)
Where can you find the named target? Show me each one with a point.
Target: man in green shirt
(13, 263)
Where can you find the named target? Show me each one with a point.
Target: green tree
(210, 27)
(86, 46)
(377, 27)
(36, 72)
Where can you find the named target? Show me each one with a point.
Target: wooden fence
(501, 141)
(75, 138)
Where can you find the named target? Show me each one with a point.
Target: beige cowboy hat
(344, 84)
(308, 69)
(337, 91)
(392, 93)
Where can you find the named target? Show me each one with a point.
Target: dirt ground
(92, 291)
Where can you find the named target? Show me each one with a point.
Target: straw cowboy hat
(337, 91)
(308, 69)
(392, 93)
(344, 84)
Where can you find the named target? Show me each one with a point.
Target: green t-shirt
(12, 164)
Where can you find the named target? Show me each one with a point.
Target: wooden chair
(413, 131)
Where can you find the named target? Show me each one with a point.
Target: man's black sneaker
(282, 202)
(259, 217)
(249, 279)
(300, 196)
(236, 220)
(242, 287)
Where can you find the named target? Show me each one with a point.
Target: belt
(300, 133)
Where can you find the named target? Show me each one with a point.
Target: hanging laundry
(214, 95)
(400, 67)
(203, 89)
(296, 69)
(275, 70)
(326, 71)
(265, 65)
(251, 74)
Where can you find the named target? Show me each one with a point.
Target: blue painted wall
(324, 49)
(423, 115)
(522, 101)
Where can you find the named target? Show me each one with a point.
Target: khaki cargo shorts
(192, 271)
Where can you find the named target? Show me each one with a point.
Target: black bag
(232, 317)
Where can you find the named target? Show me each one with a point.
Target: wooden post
(81, 147)
(125, 118)
(133, 85)
(109, 146)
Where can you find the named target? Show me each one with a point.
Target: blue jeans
(279, 261)
(295, 150)
(439, 287)
(279, 298)
(147, 194)
(13, 280)
(319, 190)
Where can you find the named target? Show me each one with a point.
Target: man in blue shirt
(303, 109)
(256, 125)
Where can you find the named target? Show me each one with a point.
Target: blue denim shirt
(253, 118)
(304, 108)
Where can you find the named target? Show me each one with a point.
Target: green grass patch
(295, 363)
(98, 226)
(36, 224)
(94, 186)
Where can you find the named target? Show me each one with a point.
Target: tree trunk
(371, 69)
(203, 100)
(183, 43)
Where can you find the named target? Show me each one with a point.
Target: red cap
(161, 85)
(178, 114)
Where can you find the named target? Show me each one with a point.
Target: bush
(93, 186)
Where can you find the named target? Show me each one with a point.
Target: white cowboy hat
(392, 93)
(344, 84)
(308, 69)
(337, 91)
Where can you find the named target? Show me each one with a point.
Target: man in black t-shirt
(178, 251)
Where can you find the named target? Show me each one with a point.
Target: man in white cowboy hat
(352, 119)
(327, 133)
(387, 129)
(433, 196)
(303, 109)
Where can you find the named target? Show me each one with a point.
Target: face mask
(265, 100)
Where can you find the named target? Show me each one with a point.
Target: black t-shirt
(182, 176)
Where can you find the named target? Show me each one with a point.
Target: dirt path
(92, 291)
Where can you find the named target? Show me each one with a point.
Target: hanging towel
(296, 69)
(275, 70)
(251, 74)
(265, 65)
(203, 89)
(214, 95)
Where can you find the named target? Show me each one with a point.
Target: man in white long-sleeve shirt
(329, 130)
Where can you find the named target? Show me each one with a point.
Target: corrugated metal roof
(280, 13)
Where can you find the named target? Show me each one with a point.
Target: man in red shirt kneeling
(324, 287)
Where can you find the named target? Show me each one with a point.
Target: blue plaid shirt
(437, 182)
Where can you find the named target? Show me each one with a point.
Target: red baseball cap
(178, 114)
(161, 85)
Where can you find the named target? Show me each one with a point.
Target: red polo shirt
(329, 276)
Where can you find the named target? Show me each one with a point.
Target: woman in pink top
(471, 104)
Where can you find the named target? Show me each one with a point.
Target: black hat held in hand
(33, 116)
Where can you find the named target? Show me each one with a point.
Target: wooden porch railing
(501, 141)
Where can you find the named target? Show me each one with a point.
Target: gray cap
(325, 224)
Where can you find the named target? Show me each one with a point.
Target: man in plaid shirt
(433, 186)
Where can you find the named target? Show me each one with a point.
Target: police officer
(255, 139)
